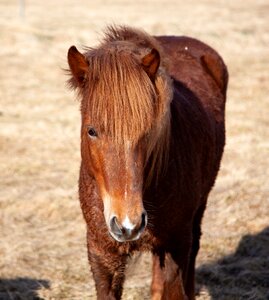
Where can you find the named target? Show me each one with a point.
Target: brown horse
(152, 138)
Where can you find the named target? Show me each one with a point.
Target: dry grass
(42, 248)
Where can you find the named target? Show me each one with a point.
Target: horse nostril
(114, 225)
(143, 220)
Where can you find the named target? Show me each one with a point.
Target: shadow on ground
(241, 275)
(21, 288)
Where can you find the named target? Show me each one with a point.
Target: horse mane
(121, 100)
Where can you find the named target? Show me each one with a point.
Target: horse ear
(78, 66)
(151, 63)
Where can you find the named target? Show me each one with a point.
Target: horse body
(168, 190)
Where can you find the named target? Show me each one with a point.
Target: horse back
(200, 80)
(200, 68)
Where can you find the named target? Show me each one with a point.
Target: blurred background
(42, 233)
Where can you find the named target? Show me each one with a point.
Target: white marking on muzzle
(107, 207)
(128, 224)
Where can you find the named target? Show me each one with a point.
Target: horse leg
(167, 281)
(108, 273)
(157, 283)
(190, 284)
(173, 283)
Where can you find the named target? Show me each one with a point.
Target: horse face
(117, 167)
(118, 172)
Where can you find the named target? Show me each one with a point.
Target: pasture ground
(42, 247)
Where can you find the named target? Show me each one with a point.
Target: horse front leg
(157, 283)
(167, 281)
(108, 273)
(173, 284)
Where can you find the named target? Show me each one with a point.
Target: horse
(152, 138)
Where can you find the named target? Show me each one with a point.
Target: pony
(152, 138)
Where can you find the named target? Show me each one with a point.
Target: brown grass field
(42, 233)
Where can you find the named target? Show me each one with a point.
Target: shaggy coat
(152, 138)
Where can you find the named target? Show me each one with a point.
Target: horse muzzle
(126, 230)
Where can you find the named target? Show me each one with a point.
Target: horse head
(121, 117)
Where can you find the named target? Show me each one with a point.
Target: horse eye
(92, 132)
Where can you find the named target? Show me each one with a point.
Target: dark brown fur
(178, 104)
